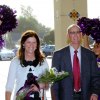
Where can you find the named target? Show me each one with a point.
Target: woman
(28, 64)
(95, 49)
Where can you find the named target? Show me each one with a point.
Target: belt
(77, 92)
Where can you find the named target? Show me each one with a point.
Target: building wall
(61, 19)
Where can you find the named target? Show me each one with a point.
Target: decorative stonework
(74, 14)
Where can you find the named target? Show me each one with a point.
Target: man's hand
(94, 97)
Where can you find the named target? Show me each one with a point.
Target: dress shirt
(78, 54)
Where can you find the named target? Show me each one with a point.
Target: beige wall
(61, 19)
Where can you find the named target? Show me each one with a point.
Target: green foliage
(49, 38)
(27, 21)
(22, 94)
(26, 24)
(52, 76)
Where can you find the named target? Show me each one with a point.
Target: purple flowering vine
(8, 21)
(90, 27)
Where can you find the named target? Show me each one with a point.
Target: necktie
(76, 72)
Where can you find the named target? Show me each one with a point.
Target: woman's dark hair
(21, 52)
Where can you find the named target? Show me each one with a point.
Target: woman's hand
(34, 88)
(44, 85)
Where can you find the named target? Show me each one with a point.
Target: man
(82, 84)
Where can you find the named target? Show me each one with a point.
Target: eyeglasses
(77, 32)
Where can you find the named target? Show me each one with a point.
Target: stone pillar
(61, 19)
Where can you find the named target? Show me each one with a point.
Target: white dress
(18, 74)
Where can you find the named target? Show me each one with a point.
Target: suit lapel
(84, 63)
(68, 66)
(83, 60)
(67, 60)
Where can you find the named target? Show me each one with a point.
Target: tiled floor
(3, 76)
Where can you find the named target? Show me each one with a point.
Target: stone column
(61, 19)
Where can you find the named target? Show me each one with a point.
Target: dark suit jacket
(63, 90)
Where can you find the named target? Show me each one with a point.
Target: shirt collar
(72, 49)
